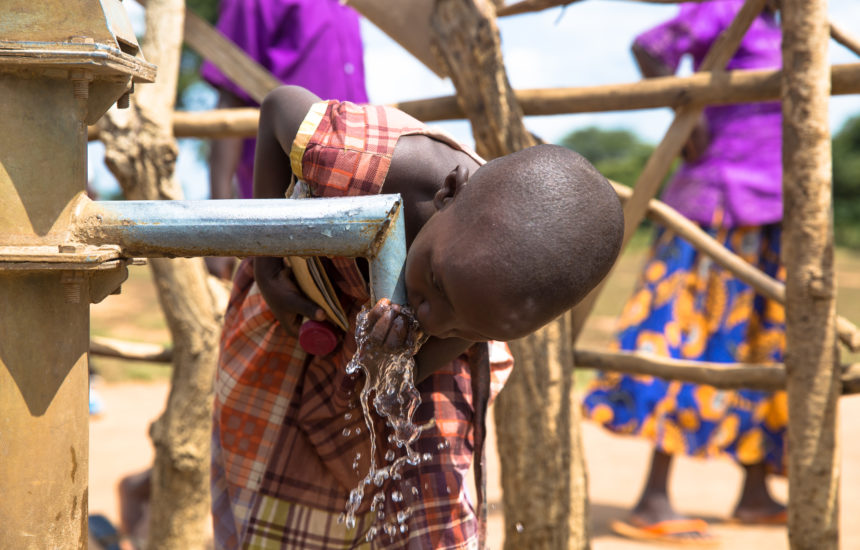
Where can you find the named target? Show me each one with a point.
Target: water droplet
(395, 400)
(390, 529)
(378, 501)
(519, 527)
(396, 496)
(415, 491)
(371, 534)
(346, 432)
(443, 445)
(426, 457)
(350, 523)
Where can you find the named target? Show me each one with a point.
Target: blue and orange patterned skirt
(687, 307)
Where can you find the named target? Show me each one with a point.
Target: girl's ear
(454, 181)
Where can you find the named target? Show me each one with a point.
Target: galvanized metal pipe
(367, 226)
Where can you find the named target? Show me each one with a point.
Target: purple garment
(315, 44)
(740, 173)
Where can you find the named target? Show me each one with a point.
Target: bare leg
(756, 505)
(654, 504)
(655, 508)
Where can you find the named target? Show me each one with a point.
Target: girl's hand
(388, 327)
(390, 331)
(287, 302)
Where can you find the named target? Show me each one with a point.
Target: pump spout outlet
(367, 226)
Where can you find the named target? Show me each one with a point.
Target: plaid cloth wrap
(282, 466)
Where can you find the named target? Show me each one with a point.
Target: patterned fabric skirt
(687, 307)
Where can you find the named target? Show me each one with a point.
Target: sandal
(674, 531)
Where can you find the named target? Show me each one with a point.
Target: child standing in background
(686, 307)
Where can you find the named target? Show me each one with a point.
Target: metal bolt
(82, 89)
(72, 283)
(68, 248)
(123, 101)
(81, 82)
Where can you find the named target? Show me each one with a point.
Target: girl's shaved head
(546, 228)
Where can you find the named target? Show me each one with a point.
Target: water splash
(394, 399)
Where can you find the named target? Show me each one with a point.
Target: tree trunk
(468, 46)
(141, 152)
(811, 359)
(543, 475)
(537, 425)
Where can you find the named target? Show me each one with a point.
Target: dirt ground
(119, 445)
(134, 395)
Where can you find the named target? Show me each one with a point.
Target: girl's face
(452, 275)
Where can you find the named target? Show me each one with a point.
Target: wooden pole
(720, 88)
(667, 151)
(529, 6)
(536, 414)
(811, 355)
(721, 375)
(238, 66)
(845, 38)
(764, 284)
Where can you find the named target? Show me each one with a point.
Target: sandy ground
(119, 445)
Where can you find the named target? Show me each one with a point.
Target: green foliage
(846, 183)
(620, 155)
(207, 9)
(189, 66)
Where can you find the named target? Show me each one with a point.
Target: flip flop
(775, 518)
(103, 533)
(667, 531)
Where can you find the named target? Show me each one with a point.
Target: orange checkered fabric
(289, 439)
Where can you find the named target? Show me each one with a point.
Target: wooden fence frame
(812, 375)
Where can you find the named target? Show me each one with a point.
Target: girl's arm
(651, 67)
(281, 114)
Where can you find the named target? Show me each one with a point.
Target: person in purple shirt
(315, 44)
(686, 307)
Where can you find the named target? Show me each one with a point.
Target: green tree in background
(620, 155)
(189, 68)
(846, 184)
